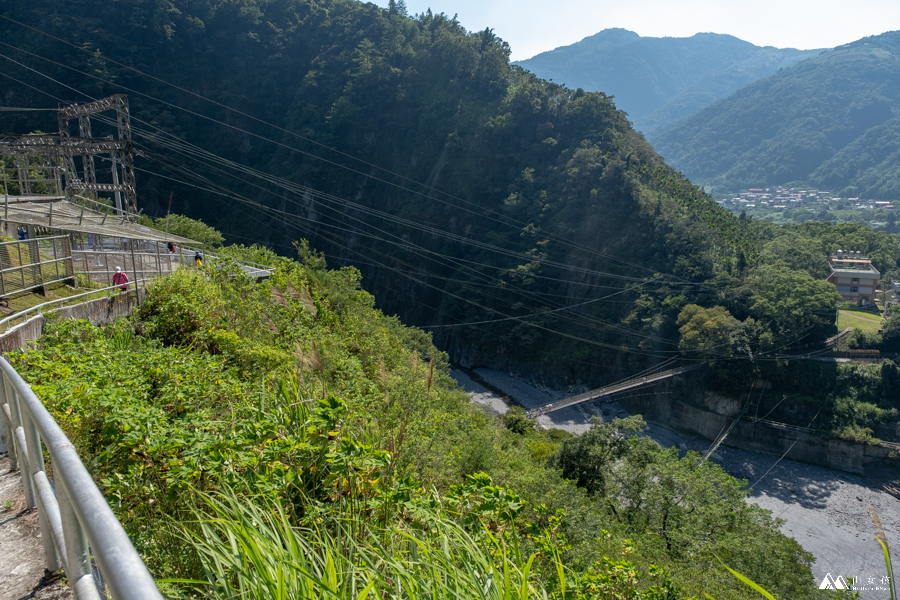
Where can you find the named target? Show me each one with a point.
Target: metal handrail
(36, 239)
(76, 522)
(4, 322)
(185, 249)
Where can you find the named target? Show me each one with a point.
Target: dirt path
(21, 554)
(823, 509)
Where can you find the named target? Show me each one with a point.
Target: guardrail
(251, 268)
(39, 309)
(145, 259)
(98, 258)
(75, 520)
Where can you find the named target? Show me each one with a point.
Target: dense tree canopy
(707, 332)
(499, 208)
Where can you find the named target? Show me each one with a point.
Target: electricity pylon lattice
(84, 147)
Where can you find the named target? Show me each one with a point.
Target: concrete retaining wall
(766, 437)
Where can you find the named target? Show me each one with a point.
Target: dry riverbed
(823, 509)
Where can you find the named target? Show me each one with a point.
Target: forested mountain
(658, 81)
(828, 122)
(524, 224)
(539, 216)
(282, 438)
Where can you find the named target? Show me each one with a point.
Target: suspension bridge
(596, 394)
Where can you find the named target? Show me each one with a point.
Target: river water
(823, 509)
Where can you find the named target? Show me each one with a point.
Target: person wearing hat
(120, 279)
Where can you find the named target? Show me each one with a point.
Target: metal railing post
(19, 437)
(21, 268)
(9, 427)
(78, 554)
(55, 258)
(134, 269)
(9, 440)
(3, 275)
(70, 262)
(35, 469)
(52, 537)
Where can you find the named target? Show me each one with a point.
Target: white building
(854, 277)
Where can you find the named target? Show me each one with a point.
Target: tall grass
(253, 552)
(882, 541)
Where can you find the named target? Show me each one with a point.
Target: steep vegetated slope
(334, 452)
(828, 122)
(540, 215)
(658, 81)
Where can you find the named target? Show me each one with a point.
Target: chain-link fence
(41, 261)
(32, 264)
(98, 256)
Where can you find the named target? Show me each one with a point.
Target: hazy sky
(534, 26)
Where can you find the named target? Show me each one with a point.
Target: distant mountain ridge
(659, 81)
(832, 121)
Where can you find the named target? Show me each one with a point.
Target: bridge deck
(609, 390)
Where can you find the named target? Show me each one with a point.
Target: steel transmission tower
(120, 150)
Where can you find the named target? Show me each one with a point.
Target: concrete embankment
(767, 437)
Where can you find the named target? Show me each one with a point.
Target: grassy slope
(859, 319)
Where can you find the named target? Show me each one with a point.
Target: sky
(535, 26)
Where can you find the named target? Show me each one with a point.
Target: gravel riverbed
(823, 509)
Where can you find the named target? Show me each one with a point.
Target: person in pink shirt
(120, 279)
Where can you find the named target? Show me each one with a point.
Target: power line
(493, 215)
(15, 109)
(380, 214)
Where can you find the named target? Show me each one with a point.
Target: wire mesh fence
(36, 263)
(98, 257)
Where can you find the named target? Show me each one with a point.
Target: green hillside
(294, 439)
(658, 81)
(516, 217)
(284, 438)
(527, 226)
(827, 122)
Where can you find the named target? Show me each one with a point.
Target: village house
(854, 277)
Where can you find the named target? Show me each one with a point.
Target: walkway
(21, 554)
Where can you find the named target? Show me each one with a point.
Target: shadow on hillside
(790, 482)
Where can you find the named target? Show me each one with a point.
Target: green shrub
(180, 307)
